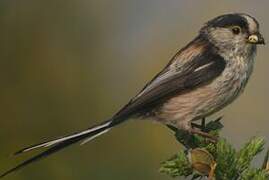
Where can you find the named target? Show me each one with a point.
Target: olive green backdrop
(68, 64)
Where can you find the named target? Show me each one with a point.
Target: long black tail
(60, 143)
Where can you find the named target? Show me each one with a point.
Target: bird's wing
(199, 70)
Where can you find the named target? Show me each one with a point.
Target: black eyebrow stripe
(229, 20)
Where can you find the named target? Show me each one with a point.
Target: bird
(203, 77)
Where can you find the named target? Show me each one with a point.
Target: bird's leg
(199, 126)
(192, 129)
(194, 125)
(212, 138)
(187, 126)
(203, 124)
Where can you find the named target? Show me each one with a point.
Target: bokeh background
(68, 64)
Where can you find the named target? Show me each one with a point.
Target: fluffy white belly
(180, 110)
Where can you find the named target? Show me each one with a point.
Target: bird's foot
(201, 126)
(213, 125)
(186, 135)
(210, 137)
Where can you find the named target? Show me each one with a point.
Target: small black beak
(256, 39)
(260, 39)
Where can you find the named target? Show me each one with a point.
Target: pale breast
(208, 99)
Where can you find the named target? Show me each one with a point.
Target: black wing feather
(178, 83)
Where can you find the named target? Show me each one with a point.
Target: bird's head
(233, 32)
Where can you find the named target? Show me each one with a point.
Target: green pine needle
(248, 152)
(255, 174)
(178, 165)
(226, 159)
(231, 164)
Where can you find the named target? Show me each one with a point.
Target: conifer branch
(219, 161)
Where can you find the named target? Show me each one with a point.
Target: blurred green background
(68, 64)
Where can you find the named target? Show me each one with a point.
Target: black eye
(236, 29)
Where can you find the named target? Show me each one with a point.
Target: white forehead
(252, 24)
